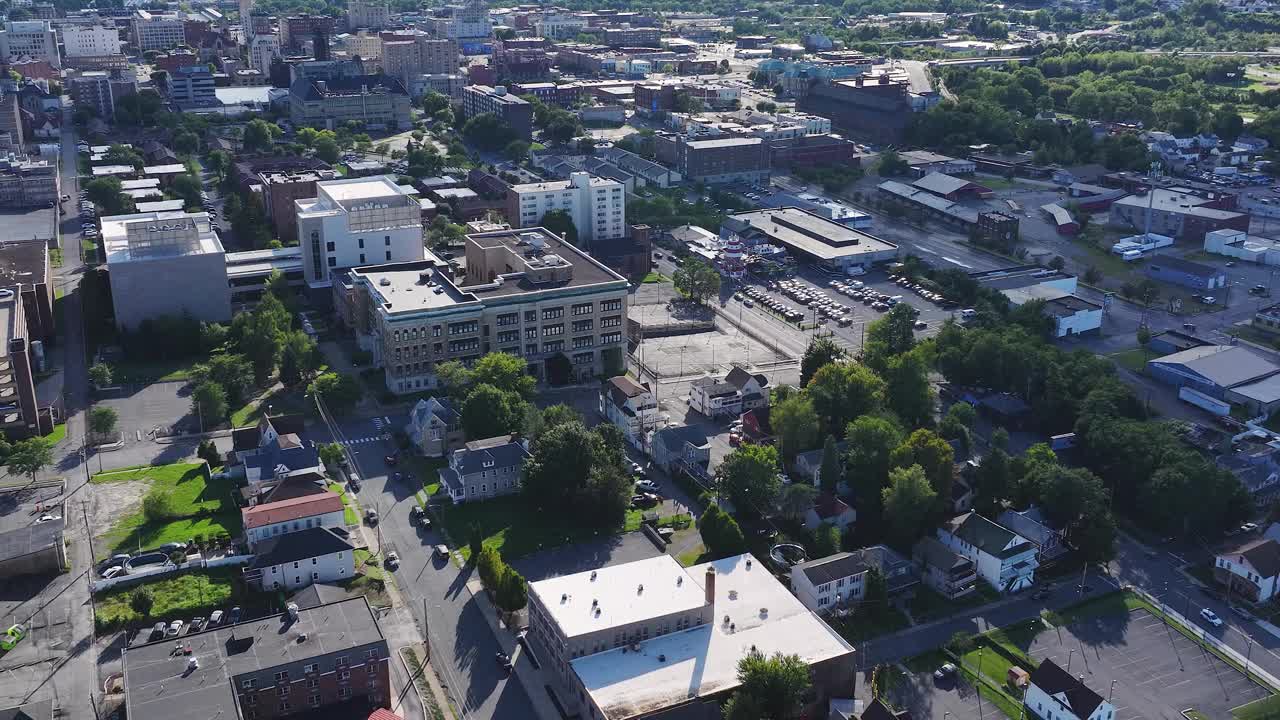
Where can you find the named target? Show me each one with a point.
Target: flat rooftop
(412, 286)
(115, 235)
(618, 595)
(1018, 276)
(253, 263)
(23, 262)
(161, 205)
(158, 683)
(799, 229)
(1068, 305)
(724, 142)
(703, 660)
(32, 538)
(27, 224)
(351, 191)
(586, 269)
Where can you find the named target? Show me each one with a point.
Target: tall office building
(92, 89)
(90, 40)
(246, 19)
(357, 221)
(263, 48)
(371, 15)
(596, 205)
(158, 31)
(32, 38)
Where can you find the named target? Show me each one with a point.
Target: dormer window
(488, 463)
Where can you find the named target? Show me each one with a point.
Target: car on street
(48, 518)
(392, 561)
(12, 636)
(503, 660)
(391, 460)
(643, 500)
(1248, 527)
(647, 486)
(175, 628)
(1040, 594)
(1211, 617)
(944, 672)
(1241, 613)
(1208, 299)
(442, 551)
(371, 516)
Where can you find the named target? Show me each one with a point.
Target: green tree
(100, 375)
(749, 478)
(891, 335)
(796, 499)
(773, 687)
(433, 102)
(232, 372)
(720, 532)
(829, 474)
(696, 280)
(339, 392)
(908, 393)
(578, 471)
(30, 456)
(259, 136)
(209, 403)
(539, 421)
(107, 193)
(795, 422)
(891, 164)
(871, 440)
(261, 335)
(993, 480)
(489, 412)
(821, 351)
(512, 593)
(208, 452)
(841, 392)
(331, 453)
(516, 151)
(218, 162)
(909, 503)
(102, 421)
(560, 222)
(300, 358)
(505, 372)
(927, 450)
(826, 540)
(488, 132)
(141, 602)
(327, 150)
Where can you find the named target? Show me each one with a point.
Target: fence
(104, 584)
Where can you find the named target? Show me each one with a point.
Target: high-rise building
(158, 31)
(439, 55)
(296, 30)
(90, 40)
(11, 118)
(371, 15)
(516, 112)
(246, 19)
(32, 38)
(92, 89)
(596, 205)
(358, 221)
(470, 22)
(279, 191)
(263, 48)
(192, 86)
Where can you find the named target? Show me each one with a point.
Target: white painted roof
(617, 595)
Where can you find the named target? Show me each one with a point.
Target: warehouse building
(1177, 212)
(1227, 372)
(810, 237)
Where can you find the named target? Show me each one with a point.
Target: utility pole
(426, 629)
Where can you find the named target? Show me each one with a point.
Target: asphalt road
(462, 643)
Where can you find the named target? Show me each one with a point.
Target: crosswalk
(363, 440)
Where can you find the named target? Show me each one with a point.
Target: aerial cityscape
(639, 360)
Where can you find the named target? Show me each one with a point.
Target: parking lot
(954, 697)
(589, 555)
(1157, 671)
(143, 408)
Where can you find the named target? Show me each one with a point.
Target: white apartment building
(524, 293)
(90, 40)
(630, 406)
(292, 515)
(157, 31)
(1005, 559)
(372, 15)
(471, 21)
(297, 559)
(598, 206)
(262, 50)
(32, 38)
(559, 26)
(357, 221)
(368, 45)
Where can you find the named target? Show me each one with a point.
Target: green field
(1267, 708)
(58, 435)
(511, 526)
(206, 508)
(182, 596)
(349, 515)
(1134, 360)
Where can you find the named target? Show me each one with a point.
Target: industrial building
(1071, 314)
(952, 187)
(300, 661)
(646, 637)
(1180, 213)
(810, 237)
(878, 109)
(1188, 274)
(1226, 372)
(525, 292)
(165, 263)
(716, 160)
(357, 221)
(157, 31)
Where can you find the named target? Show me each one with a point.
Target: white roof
(615, 592)
(367, 188)
(703, 661)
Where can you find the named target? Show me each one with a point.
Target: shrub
(142, 601)
(158, 506)
(961, 643)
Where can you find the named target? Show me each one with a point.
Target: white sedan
(1211, 617)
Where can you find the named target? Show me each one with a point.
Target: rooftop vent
(593, 574)
(640, 589)
(385, 282)
(564, 597)
(424, 277)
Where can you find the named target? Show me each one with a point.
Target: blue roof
(440, 407)
(272, 456)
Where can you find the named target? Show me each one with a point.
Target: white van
(968, 314)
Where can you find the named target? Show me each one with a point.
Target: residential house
(1250, 570)
(945, 571)
(878, 710)
(1053, 694)
(297, 559)
(682, 447)
(294, 486)
(435, 427)
(738, 392)
(808, 465)
(630, 406)
(961, 495)
(756, 426)
(272, 451)
(1005, 559)
(247, 440)
(273, 519)
(1034, 525)
(485, 469)
(830, 510)
(839, 580)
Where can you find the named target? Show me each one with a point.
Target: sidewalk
(534, 680)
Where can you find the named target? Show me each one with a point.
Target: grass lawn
(1002, 701)
(349, 515)
(149, 372)
(209, 507)
(369, 566)
(1268, 707)
(867, 624)
(58, 435)
(693, 556)
(654, 277)
(426, 470)
(509, 525)
(928, 605)
(183, 596)
(1134, 360)
(282, 400)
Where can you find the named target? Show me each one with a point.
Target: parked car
(112, 571)
(157, 631)
(197, 624)
(392, 560)
(215, 618)
(647, 486)
(392, 460)
(442, 551)
(1211, 617)
(175, 628)
(1040, 594)
(944, 672)
(371, 516)
(642, 500)
(12, 636)
(504, 660)
(419, 516)
(235, 616)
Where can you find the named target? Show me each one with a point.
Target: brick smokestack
(710, 586)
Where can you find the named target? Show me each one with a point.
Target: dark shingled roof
(834, 567)
(300, 545)
(985, 535)
(309, 91)
(1054, 680)
(1263, 555)
(877, 710)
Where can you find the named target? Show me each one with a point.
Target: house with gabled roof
(273, 519)
(1003, 558)
(1251, 570)
(485, 469)
(297, 559)
(435, 427)
(629, 405)
(1053, 694)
